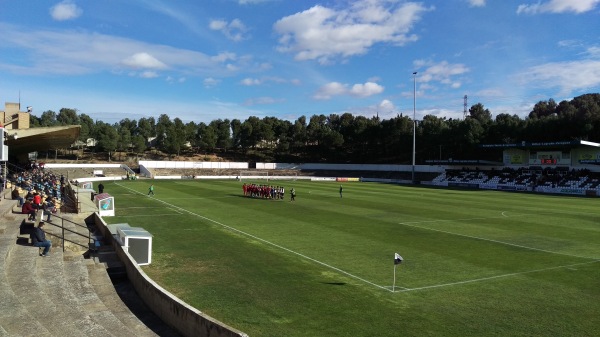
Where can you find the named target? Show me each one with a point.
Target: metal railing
(63, 229)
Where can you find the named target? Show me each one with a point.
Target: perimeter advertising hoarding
(346, 179)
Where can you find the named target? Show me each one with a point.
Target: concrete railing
(187, 320)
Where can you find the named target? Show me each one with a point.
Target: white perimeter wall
(146, 166)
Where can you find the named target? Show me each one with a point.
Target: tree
(146, 128)
(67, 117)
(107, 138)
(139, 145)
(174, 138)
(222, 130)
(48, 118)
(87, 127)
(129, 124)
(162, 125)
(506, 129)
(433, 132)
(207, 137)
(124, 139)
(543, 109)
(481, 114)
(299, 135)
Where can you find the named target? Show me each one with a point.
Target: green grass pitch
(476, 263)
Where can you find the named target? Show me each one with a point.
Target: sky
(208, 59)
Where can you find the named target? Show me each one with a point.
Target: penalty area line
(265, 241)
(569, 266)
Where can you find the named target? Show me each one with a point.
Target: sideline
(263, 240)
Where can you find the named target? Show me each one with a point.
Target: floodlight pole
(414, 124)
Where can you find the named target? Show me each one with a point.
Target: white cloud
(210, 82)
(323, 34)
(65, 10)
(148, 74)
(82, 52)
(386, 109)
(365, 90)
(338, 89)
(143, 60)
(440, 72)
(476, 3)
(234, 30)
(566, 76)
(558, 6)
(224, 57)
(250, 81)
(329, 90)
(593, 52)
(171, 79)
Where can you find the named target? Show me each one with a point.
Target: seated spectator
(17, 196)
(29, 209)
(38, 238)
(37, 200)
(49, 208)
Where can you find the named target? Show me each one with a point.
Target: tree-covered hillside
(342, 138)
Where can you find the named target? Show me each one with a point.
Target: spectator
(29, 209)
(100, 188)
(49, 208)
(38, 239)
(17, 196)
(37, 200)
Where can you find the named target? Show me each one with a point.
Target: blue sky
(208, 59)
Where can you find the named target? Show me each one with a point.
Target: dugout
(105, 203)
(134, 240)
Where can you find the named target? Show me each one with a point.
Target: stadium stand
(64, 294)
(536, 179)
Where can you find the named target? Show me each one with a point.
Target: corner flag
(397, 258)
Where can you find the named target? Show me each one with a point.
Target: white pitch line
(139, 216)
(490, 240)
(135, 207)
(175, 210)
(464, 219)
(497, 276)
(265, 241)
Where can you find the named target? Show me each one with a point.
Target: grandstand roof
(461, 162)
(41, 139)
(568, 143)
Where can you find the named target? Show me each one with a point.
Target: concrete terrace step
(27, 277)
(77, 279)
(56, 290)
(63, 294)
(106, 292)
(26, 305)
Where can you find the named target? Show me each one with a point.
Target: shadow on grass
(335, 283)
